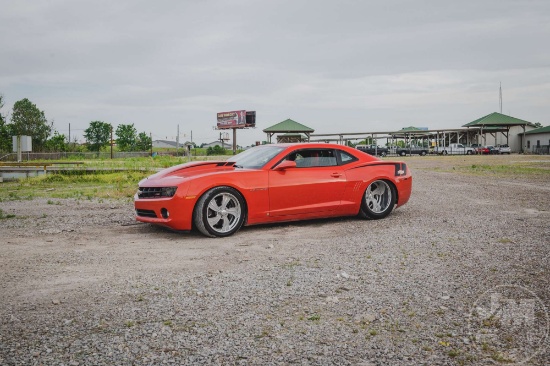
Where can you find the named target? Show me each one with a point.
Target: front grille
(146, 213)
(156, 192)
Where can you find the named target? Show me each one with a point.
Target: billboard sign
(250, 118)
(233, 119)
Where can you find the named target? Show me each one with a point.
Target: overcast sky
(335, 66)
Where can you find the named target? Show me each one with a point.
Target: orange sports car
(273, 183)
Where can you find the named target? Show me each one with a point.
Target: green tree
(27, 119)
(215, 150)
(143, 142)
(57, 142)
(538, 125)
(5, 130)
(367, 141)
(97, 135)
(126, 137)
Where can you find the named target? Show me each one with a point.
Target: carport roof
(498, 119)
(289, 125)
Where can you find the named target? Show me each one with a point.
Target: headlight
(156, 192)
(168, 191)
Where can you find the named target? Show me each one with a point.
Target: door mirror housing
(285, 165)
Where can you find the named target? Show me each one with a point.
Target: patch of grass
(314, 317)
(373, 332)
(130, 323)
(510, 169)
(499, 357)
(168, 323)
(5, 216)
(76, 185)
(505, 241)
(453, 353)
(292, 264)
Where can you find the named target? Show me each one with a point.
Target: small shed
(289, 128)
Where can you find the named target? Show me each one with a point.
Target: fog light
(164, 212)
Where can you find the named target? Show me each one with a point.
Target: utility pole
(500, 97)
(69, 136)
(178, 140)
(151, 137)
(111, 142)
(234, 141)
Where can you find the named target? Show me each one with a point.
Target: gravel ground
(83, 284)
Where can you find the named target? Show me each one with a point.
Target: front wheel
(378, 200)
(469, 152)
(423, 153)
(382, 154)
(219, 212)
(402, 153)
(444, 152)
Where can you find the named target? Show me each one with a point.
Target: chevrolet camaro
(273, 183)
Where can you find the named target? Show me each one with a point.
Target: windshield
(255, 157)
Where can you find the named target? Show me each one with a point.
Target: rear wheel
(423, 153)
(383, 154)
(378, 200)
(220, 212)
(403, 153)
(444, 152)
(469, 152)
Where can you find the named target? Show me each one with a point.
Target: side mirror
(285, 165)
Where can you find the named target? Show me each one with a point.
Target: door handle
(336, 175)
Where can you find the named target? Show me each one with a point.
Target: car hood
(179, 173)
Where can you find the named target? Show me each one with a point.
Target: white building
(538, 140)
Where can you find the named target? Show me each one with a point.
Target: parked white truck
(455, 149)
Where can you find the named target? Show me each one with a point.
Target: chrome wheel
(223, 212)
(378, 197)
(220, 212)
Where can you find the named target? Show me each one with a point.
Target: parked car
(487, 150)
(455, 149)
(413, 150)
(272, 183)
(503, 149)
(476, 148)
(373, 150)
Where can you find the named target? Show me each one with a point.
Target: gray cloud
(332, 65)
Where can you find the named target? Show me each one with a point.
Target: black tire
(378, 200)
(220, 212)
(469, 152)
(402, 153)
(382, 154)
(444, 152)
(423, 153)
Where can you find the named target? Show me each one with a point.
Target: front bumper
(179, 209)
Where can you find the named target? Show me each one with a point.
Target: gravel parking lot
(83, 284)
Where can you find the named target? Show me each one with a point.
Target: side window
(346, 158)
(313, 158)
(528, 144)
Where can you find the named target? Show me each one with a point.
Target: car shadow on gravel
(263, 229)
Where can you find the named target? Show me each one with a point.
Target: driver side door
(315, 186)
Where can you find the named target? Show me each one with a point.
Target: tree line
(27, 119)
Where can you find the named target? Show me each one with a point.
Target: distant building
(538, 140)
(169, 144)
(226, 145)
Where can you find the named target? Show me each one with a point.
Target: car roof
(310, 145)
